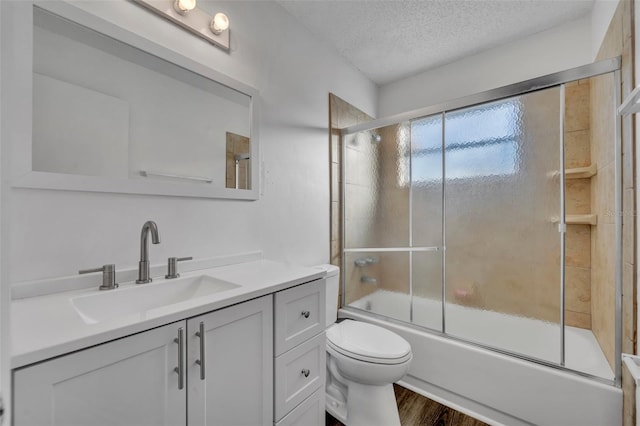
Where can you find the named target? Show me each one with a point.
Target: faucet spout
(149, 227)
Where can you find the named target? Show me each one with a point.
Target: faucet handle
(172, 268)
(108, 276)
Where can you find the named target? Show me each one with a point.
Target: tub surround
(46, 325)
(577, 144)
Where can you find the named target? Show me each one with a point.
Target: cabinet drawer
(299, 314)
(299, 373)
(309, 413)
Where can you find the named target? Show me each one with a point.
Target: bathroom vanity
(200, 349)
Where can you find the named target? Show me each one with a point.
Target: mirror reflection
(104, 108)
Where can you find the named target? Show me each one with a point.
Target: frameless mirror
(108, 111)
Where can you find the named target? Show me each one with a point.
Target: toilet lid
(368, 342)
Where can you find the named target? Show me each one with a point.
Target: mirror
(106, 110)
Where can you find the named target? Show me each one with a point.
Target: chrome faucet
(143, 266)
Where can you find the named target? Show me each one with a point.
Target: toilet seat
(368, 343)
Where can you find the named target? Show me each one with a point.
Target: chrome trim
(618, 227)
(356, 313)
(389, 249)
(585, 71)
(444, 226)
(343, 219)
(562, 227)
(411, 221)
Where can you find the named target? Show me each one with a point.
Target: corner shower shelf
(581, 219)
(581, 172)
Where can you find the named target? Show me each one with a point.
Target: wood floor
(416, 410)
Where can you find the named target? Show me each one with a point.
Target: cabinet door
(130, 381)
(235, 384)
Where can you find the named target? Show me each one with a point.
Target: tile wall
(342, 114)
(617, 42)
(577, 143)
(237, 144)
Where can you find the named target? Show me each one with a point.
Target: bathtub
(497, 388)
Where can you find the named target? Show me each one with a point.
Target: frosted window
(479, 143)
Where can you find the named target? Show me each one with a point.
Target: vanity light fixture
(184, 6)
(219, 23)
(187, 15)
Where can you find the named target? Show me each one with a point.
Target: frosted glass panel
(377, 187)
(426, 181)
(502, 206)
(426, 270)
(379, 283)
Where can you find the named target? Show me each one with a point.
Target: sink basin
(141, 298)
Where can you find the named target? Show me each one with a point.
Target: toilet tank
(333, 284)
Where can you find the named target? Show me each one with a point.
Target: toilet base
(367, 406)
(336, 407)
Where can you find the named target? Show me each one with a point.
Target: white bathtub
(493, 387)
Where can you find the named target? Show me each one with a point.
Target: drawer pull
(305, 314)
(305, 372)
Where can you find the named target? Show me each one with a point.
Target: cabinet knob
(305, 314)
(305, 372)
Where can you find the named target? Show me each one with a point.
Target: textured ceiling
(391, 39)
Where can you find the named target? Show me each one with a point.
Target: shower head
(376, 138)
(245, 156)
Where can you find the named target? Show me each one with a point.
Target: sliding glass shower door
(393, 221)
(425, 175)
(486, 180)
(503, 207)
(455, 219)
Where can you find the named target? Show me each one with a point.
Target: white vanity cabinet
(234, 384)
(130, 381)
(300, 355)
(135, 380)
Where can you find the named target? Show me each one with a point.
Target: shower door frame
(558, 79)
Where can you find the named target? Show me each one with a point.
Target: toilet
(363, 362)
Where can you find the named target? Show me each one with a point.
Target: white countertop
(47, 326)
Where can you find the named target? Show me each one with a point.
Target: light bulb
(219, 23)
(184, 6)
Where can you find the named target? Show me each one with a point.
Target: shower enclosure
(482, 220)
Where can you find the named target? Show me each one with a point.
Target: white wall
(55, 233)
(549, 51)
(601, 15)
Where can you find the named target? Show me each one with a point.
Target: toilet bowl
(363, 362)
